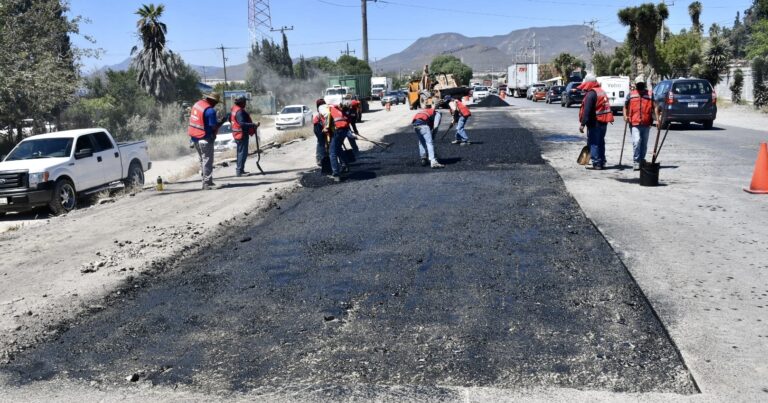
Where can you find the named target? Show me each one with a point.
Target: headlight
(37, 178)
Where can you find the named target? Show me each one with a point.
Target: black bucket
(649, 174)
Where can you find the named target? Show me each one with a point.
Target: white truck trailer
(520, 76)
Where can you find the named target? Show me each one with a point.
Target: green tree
(681, 54)
(447, 64)
(738, 37)
(757, 45)
(38, 75)
(736, 86)
(602, 63)
(154, 64)
(644, 22)
(621, 62)
(186, 82)
(759, 75)
(347, 64)
(565, 63)
(716, 59)
(694, 11)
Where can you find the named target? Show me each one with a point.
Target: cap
(213, 96)
(241, 99)
(447, 98)
(639, 79)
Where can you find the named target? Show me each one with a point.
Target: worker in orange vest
(595, 114)
(203, 126)
(338, 126)
(424, 122)
(242, 128)
(460, 114)
(638, 112)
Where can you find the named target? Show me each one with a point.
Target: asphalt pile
(491, 101)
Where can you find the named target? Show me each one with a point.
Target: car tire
(303, 122)
(64, 197)
(567, 104)
(135, 179)
(708, 124)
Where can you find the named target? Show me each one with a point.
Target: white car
(224, 140)
(293, 116)
(479, 93)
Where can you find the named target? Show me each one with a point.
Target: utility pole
(224, 62)
(593, 44)
(281, 29)
(347, 52)
(364, 9)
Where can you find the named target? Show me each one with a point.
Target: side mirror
(84, 153)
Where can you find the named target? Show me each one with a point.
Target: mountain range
(482, 53)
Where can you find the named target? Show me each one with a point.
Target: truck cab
(334, 95)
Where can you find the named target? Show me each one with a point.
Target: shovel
(381, 144)
(626, 123)
(258, 153)
(446, 131)
(584, 156)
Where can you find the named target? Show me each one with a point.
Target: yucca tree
(644, 22)
(154, 63)
(694, 10)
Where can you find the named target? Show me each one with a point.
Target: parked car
(555, 93)
(686, 100)
(402, 96)
(391, 97)
(539, 94)
(533, 87)
(224, 140)
(572, 94)
(479, 93)
(54, 169)
(293, 116)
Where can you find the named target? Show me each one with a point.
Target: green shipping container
(359, 85)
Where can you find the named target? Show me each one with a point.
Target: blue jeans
(426, 146)
(352, 141)
(320, 150)
(338, 138)
(640, 141)
(242, 154)
(596, 141)
(461, 134)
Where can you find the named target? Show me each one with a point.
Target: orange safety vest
(318, 119)
(640, 108)
(463, 110)
(197, 119)
(603, 112)
(424, 115)
(339, 119)
(237, 130)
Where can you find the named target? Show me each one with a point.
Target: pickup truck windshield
(481, 89)
(42, 148)
(294, 109)
(336, 91)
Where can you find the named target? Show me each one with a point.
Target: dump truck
(349, 87)
(426, 91)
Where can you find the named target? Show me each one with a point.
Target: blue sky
(324, 27)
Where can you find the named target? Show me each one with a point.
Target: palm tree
(694, 10)
(644, 22)
(155, 65)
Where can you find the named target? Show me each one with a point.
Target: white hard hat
(639, 79)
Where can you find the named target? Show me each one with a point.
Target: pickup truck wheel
(135, 179)
(64, 198)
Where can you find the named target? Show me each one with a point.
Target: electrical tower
(259, 18)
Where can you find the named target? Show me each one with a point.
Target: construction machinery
(427, 91)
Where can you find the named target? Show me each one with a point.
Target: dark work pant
(242, 154)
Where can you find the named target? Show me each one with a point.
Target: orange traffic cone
(759, 183)
(387, 106)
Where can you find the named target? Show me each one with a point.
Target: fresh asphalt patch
(485, 273)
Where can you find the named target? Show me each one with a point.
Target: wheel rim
(67, 197)
(137, 179)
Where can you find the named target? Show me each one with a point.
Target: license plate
(3, 200)
(693, 105)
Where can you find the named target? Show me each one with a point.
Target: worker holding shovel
(424, 122)
(638, 111)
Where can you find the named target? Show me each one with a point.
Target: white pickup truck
(53, 169)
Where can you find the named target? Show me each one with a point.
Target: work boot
(335, 177)
(436, 165)
(424, 162)
(344, 168)
(636, 166)
(466, 143)
(456, 142)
